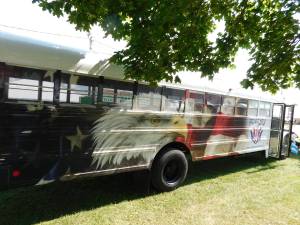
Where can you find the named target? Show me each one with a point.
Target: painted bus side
(42, 142)
(66, 112)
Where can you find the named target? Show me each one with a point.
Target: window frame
(240, 107)
(22, 73)
(250, 107)
(232, 106)
(96, 85)
(142, 88)
(87, 81)
(265, 109)
(116, 86)
(218, 109)
(187, 101)
(179, 95)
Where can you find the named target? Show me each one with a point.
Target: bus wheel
(169, 170)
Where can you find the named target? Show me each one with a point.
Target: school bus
(63, 116)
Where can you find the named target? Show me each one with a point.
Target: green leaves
(168, 36)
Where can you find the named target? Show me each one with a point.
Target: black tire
(169, 170)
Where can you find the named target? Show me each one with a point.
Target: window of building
(195, 102)
(228, 105)
(252, 108)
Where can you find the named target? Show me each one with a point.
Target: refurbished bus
(64, 115)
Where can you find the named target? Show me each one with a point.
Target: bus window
(174, 100)
(241, 106)
(63, 92)
(195, 102)
(78, 92)
(81, 90)
(24, 84)
(117, 92)
(124, 98)
(23, 89)
(264, 109)
(148, 98)
(108, 95)
(47, 87)
(252, 108)
(63, 95)
(228, 104)
(47, 91)
(213, 103)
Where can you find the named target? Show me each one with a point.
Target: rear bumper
(4, 176)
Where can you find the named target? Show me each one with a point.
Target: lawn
(223, 191)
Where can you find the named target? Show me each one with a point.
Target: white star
(76, 140)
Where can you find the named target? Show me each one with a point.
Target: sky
(24, 18)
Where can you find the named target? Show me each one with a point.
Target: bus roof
(29, 52)
(34, 53)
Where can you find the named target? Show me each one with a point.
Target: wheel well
(177, 145)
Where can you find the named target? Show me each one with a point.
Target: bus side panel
(221, 135)
(41, 144)
(102, 139)
(124, 140)
(25, 150)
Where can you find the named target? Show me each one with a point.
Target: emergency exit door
(281, 130)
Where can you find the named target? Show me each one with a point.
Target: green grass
(224, 191)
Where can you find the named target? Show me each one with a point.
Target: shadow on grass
(293, 156)
(37, 204)
(219, 167)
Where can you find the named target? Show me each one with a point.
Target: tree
(167, 36)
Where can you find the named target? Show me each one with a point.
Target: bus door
(287, 130)
(281, 129)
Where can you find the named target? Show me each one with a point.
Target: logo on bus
(256, 133)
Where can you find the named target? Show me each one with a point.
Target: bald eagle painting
(69, 140)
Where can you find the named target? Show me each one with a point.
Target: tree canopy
(167, 36)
